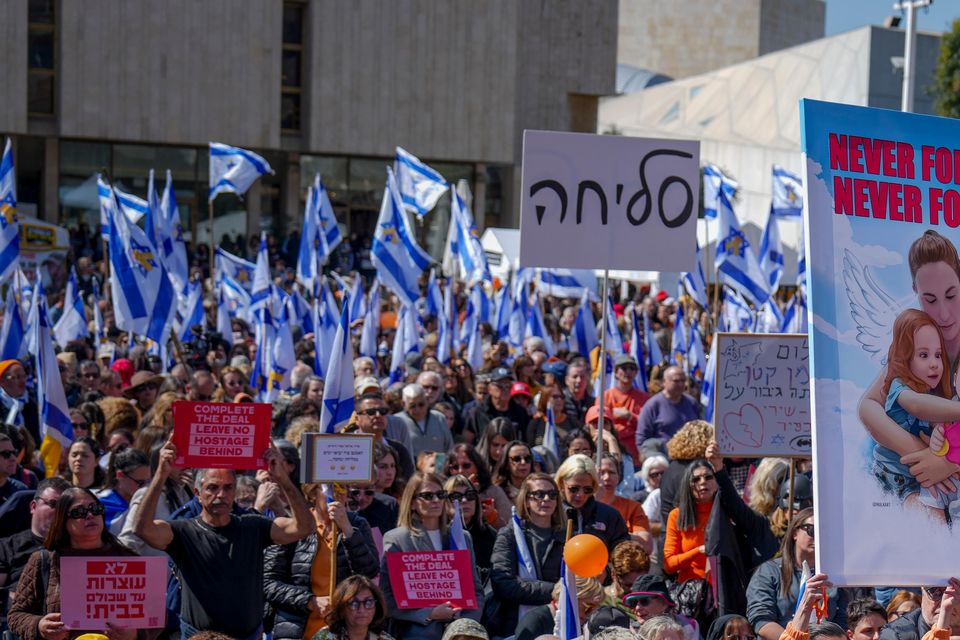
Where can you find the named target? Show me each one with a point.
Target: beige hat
(364, 384)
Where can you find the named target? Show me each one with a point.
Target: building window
(291, 66)
(41, 58)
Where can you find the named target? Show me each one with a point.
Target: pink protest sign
(127, 592)
(221, 435)
(422, 579)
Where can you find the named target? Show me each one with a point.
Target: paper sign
(762, 404)
(422, 579)
(336, 457)
(127, 592)
(221, 435)
(596, 202)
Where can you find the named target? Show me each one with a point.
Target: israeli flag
(769, 318)
(405, 341)
(473, 261)
(260, 291)
(98, 326)
(787, 193)
(613, 341)
(802, 262)
(308, 259)
(716, 182)
(132, 206)
(162, 226)
(56, 430)
(680, 339)
(736, 262)
(325, 328)
(518, 320)
(568, 608)
(695, 283)
(568, 283)
(795, 318)
(233, 170)
(636, 350)
(330, 234)
(434, 297)
(535, 325)
(9, 225)
(144, 301)
(550, 441)
(583, 335)
(237, 298)
(696, 360)
(263, 338)
(771, 254)
(338, 392)
(224, 326)
(707, 389)
(419, 186)
(475, 347)
(504, 310)
(13, 345)
(445, 322)
(395, 253)
(240, 271)
(72, 324)
(526, 569)
(283, 357)
(191, 311)
(458, 541)
(300, 315)
(371, 323)
(354, 298)
(651, 347)
(735, 313)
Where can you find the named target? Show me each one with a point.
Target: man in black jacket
(497, 404)
(914, 625)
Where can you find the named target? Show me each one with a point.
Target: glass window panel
(135, 161)
(290, 69)
(453, 172)
(367, 177)
(41, 11)
(290, 111)
(292, 24)
(333, 172)
(40, 49)
(40, 93)
(82, 159)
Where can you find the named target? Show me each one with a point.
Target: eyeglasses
(935, 593)
(140, 483)
(703, 478)
(807, 529)
(80, 513)
(575, 490)
(430, 496)
(521, 459)
(376, 411)
(366, 603)
(356, 493)
(640, 601)
(655, 474)
(80, 425)
(9, 453)
(551, 494)
(461, 496)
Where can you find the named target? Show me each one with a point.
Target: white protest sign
(336, 457)
(762, 403)
(608, 202)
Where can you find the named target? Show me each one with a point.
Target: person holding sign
(296, 577)
(78, 529)
(218, 554)
(424, 527)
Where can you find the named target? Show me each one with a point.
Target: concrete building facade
(312, 85)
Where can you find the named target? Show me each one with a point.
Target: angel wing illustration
(873, 309)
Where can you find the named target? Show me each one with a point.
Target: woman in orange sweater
(683, 547)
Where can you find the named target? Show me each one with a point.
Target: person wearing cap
(428, 429)
(13, 393)
(625, 401)
(143, 390)
(649, 597)
(554, 372)
(465, 629)
(664, 413)
(520, 393)
(497, 403)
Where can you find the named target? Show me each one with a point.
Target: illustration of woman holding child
(913, 393)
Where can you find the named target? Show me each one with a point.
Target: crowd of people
(699, 546)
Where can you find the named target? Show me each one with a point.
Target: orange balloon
(586, 555)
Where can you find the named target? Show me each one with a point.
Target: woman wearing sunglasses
(578, 483)
(423, 525)
(459, 489)
(543, 526)
(516, 463)
(77, 530)
(296, 577)
(357, 612)
(127, 471)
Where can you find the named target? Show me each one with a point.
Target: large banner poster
(883, 208)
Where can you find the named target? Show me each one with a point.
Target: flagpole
(210, 226)
(602, 363)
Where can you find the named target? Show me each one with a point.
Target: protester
(428, 429)
(498, 403)
(540, 620)
(82, 460)
(664, 413)
(649, 598)
(516, 463)
(463, 459)
(902, 603)
(498, 433)
(610, 471)
(578, 482)
(357, 610)
(460, 490)
(129, 470)
(551, 398)
(626, 402)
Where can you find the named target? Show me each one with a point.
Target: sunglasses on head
(430, 496)
(575, 490)
(80, 513)
(377, 411)
(461, 496)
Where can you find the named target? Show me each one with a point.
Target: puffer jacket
(601, 520)
(286, 574)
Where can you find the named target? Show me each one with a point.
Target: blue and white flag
(240, 270)
(696, 360)
(260, 291)
(9, 225)
(680, 340)
(550, 440)
(397, 355)
(144, 301)
(716, 182)
(191, 311)
(613, 341)
(13, 344)
(737, 264)
(771, 254)
(474, 353)
(371, 323)
(325, 328)
(735, 314)
(283, 357)
(568, 607)
(224, 326)
(458, 541)
(795, 318)
(419, 186)
(636, 350)
(467, 247)
(536, 326)
(263, 338)
(330, 234)
(651, 347)
(769, 318)
(237, 298)
(233, 170)
(311, 242)
(434, 297)
(568, 283)
(446, 321)
(56, 430)
(338, 391)
(98, 326)
(526, 568)
(787, 193)
(395, 253)
(695, 283)
(470, 321)
(709, 383)
(583, 334)
(802, 262)
(504, 309)
(72, 324)
(170, 243)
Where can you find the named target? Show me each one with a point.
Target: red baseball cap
(520, 389)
